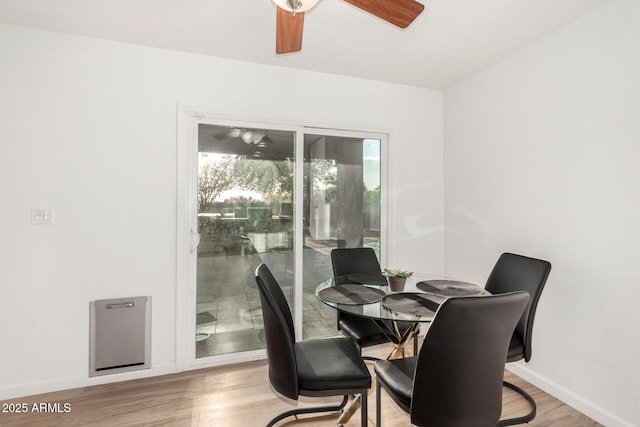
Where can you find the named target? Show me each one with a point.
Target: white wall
(541, 158)
(88, 127)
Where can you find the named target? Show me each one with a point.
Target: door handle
(121, 305)
(195, 240)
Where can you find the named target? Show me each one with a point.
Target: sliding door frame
(188, 119)
(383, 137)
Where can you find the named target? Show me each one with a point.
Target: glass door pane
(245, 217)
(341, 209)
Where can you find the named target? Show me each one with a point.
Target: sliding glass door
(245, 217)
(283, 196)
(341, 209)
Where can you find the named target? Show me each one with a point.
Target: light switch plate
(41, 216)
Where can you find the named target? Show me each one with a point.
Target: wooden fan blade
(288, 31)
(400, 13)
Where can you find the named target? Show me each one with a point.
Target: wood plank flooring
(231, 396)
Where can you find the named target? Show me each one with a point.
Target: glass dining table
(371, 297)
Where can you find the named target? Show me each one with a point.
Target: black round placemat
(351, 294)
(449, 288)
(368, 279)
(415, 303)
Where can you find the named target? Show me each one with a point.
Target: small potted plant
(396, 278)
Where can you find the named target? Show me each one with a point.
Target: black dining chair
(316, 367)
(365, 332)
(456, 379)
(514, 272)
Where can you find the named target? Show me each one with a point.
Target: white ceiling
(449, 41)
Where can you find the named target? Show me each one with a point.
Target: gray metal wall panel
(120, 338)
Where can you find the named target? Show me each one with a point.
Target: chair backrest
(354, 260)
(458, 378)
(279, 334)
(350, 261)
(514, 272)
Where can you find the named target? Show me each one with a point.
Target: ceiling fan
(290, 17)
(248, 136)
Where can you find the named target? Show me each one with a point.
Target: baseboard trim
(14, 392)
(577, 402)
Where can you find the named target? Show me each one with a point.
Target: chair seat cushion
(330, 364)
(367, 332)
(516, 349)
(397, 377)
(362, 330)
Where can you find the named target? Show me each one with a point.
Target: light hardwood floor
(232, 396)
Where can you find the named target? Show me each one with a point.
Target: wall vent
(120, 337)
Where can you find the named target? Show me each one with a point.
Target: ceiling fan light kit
(295, 6)
(252, 136)
(290, 17)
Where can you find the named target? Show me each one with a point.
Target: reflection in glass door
(341, 209)
(245, 217)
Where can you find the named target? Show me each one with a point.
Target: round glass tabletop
(411, 303)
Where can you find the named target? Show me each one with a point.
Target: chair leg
(313, 410)
(363, 408)
(378, 405)
(525, 418)
(371, 358)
